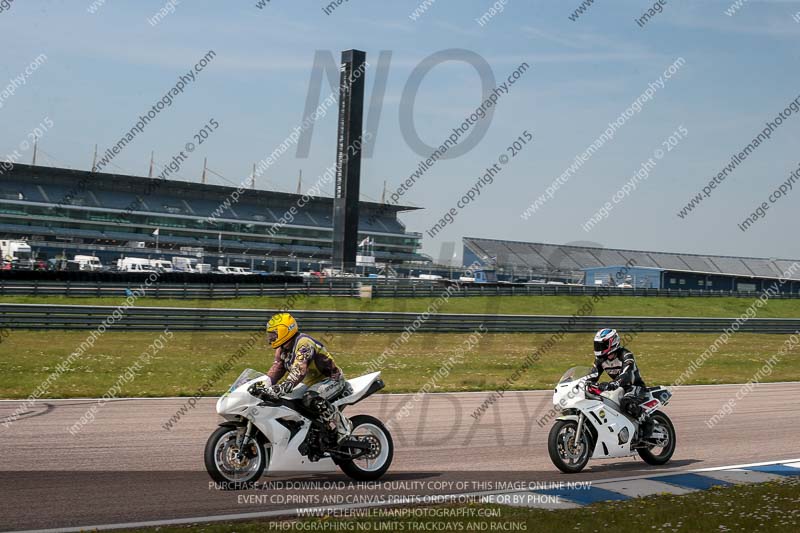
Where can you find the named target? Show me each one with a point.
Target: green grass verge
(526, 305)
(771, 506)
(190, 358)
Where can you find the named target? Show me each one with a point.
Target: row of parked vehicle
(191, 265)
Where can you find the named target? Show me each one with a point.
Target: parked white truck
(184, 264)
(134, 264)
(16, 255)
(88, 262)
(161, 265)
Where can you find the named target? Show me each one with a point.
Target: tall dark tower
(348, 160)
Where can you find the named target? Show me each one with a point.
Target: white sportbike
(281, 436)
(593, 425)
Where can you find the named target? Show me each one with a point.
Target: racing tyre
(376, 462)
(226, 465)
(661, 452)
(570, 455)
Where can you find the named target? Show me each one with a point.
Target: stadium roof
(135, 184)
(44, 204)
(551, 258)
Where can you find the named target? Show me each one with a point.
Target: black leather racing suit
(623, 370)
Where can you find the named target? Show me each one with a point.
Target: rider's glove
(612, 385)
(256, 389)
(260, 391)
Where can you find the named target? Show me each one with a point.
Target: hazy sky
(104, 69)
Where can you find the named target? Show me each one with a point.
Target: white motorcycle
(593, 425)
(281, 436)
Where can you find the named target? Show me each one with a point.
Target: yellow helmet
(281, 328)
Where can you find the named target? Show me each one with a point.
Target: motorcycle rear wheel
(377, 461)
(569, 456)
(662, 457)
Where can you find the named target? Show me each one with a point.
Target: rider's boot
(337, 425)
(636, 412)
(343, 426)
(646, 424)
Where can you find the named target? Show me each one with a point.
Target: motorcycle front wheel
(568, 453)
(227, 464)
(376, 461)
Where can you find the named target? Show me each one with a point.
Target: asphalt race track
(125, 467)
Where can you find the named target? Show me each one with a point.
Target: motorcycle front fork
(244, 440)
(578, 433)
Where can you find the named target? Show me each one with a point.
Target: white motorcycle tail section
(361, 386)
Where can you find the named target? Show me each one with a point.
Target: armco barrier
(174, 290)
(85, 276)
(223, 288)
(25, 316)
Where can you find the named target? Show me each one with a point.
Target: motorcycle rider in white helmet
(620, 365)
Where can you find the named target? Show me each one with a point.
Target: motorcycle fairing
(608, 424)
(283, 453)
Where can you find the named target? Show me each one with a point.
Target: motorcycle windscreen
(248, 375)
(575, 373)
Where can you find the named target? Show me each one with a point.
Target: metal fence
(40, 317)
(478, 289)
(174, 290)
(337, 287)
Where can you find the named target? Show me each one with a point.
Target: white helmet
(606, 341)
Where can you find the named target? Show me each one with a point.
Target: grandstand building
(61, 211)
(658, 270)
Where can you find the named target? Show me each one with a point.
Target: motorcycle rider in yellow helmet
(299, 358)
